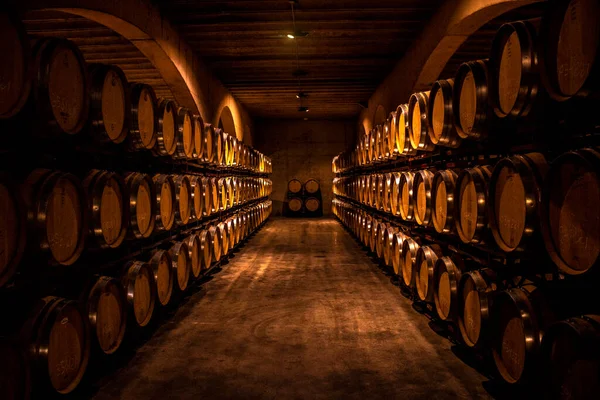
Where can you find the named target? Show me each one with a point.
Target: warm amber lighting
(290, 36)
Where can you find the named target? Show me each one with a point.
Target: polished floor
(300, 312)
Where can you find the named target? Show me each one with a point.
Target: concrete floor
(300, 312)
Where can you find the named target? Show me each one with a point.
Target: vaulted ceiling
(350, 46)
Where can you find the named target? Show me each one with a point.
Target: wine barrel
(570, 215)
(389, 133)
(394, 201)
(570, 354)
(110, 103)
(409, 258)
(422, 196)
(515, 193)
(221, 193)
(215, 242)
(197, 197)
(396, 256)
(405, 188)
(311, 186)
(194, 254)
(380, 237)
(183, 199)
(373, 238)
(476, 290)
(312, 204)
(107, 313)
(418, 123)
(180, 261)
(166, 144)
(403, 145)
(198, 150)
(61, 86)
(219, 146)
(106, 207)
(166, 201)
(470, 99)
(569, 40)
(424, 269)
(144, 112)
(471, 200)
(446, 277)
(12, 228)
(294, 186)
(59, 344)
(229, 191)
(15, 377)
(210, 145)
(295, 204)
(441, 115)
(142, 206)
(162, 268)
(222, 236)
(184, 134)
(519, 316)
(442, 197)
(15, 79)
(207, 196)
(140, 289)
(386, 201)
(205, 249)
(57, 215)
(388, 244)
(514, 79)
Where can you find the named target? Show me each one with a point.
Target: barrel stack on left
(113, 203)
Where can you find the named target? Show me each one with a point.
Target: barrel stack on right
(303, 199)
(480, 197)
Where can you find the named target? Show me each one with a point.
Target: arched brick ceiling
(351, 46)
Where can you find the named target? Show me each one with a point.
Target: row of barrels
(553, 54)
(59, 214)
(514, 322)
(296, 187)
(519, 201)
(55, 343)
(309, 204)
(52, 85)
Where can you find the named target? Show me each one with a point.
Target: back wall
(302, 150)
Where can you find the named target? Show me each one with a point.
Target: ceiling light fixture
(289, 35)
(303, 109)
(301, 95)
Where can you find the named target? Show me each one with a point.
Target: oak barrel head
(144, 117)
(107, 313)
(140, 288)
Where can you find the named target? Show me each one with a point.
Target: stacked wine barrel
(304, 199)
(123, 204)
(489, 230)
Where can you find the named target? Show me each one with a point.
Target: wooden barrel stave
(142, 204)
(107, 313)
(110, 103)
(162, 268)
(184, 134)
(423, 271)
(195, 254)
(471, 204)
(183, 199)
(418, 123)
(514, 75)
(422, 183)
(442, 194)
(166, 143)
(166, 201)
(406, 194)
(470, 100)
(56, 214)
(403, 145)
(447, 275)
(181, 264)
(409, 257)
(441, 115)
(140, 289)
(106, 192)
(59, 344)
(144, 117)
(476, 292)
